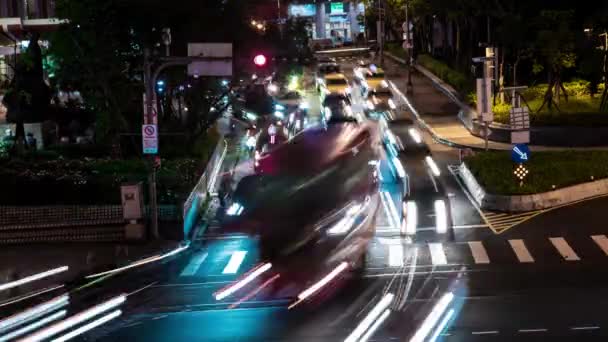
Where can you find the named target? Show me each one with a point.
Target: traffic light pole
(150, 76)
(410, 51)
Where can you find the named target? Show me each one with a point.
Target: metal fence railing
(204, 188)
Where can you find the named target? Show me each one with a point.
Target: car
(361, 69)
(322, 70)
(380, 102)
(335, 104)
(335, 83)
(325, 59)
(312, 209)
(288, 101)
(374, 78)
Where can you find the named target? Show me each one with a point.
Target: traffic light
(259, 60)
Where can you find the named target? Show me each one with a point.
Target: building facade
(19, 18)
(336, 20)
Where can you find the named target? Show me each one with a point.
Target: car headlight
(353, 214)
(391, 104)
(384, 84)
(304, 105)
(347, 90)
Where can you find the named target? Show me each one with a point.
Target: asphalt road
(541, 279)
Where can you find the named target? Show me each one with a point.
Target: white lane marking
(531, 330)
(564, 248)
(479, 252)
(522, 253)
(437, 254)
(601, 241)
(387, 212)
(395, 255)
(470, 226)
(235, 262)
(488, 332)
(585, 328)
(193, 265)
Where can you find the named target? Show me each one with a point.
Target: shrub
(455, 78)
(494, 170)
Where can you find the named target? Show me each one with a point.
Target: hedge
(547, 170)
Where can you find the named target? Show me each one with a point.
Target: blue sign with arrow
(520, 153)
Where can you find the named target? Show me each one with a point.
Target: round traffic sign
(149, 130)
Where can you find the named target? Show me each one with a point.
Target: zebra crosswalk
(235, 256)
(387, 252)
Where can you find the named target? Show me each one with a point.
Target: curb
(539, 201)
(423, 124)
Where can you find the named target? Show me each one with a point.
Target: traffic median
(548, 179)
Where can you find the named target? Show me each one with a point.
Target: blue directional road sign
(520, 153)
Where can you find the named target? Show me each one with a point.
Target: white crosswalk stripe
(236, 259)
(564, 248)
(437, 254)
(193, 265)
(479, 252)
(395, 255)
(602, 242)
(522, 253)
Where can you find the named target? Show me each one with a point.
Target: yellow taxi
(335, 83)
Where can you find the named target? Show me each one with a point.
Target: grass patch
(580, 110)
(494, 170)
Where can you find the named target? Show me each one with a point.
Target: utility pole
(380, 31)
(279, 18)
(151, 118)
(151, 74)
(410, 50)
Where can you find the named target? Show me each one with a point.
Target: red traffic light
(259, 60)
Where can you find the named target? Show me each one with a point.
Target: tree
(554, 48)
(28, 96)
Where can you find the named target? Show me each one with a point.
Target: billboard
(302, 10)
(337, 8)
(210, 68)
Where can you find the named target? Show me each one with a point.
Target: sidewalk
(82, 258)
(440, 113)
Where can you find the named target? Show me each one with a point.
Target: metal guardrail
(205, 187)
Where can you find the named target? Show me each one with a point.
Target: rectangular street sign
(210, 68)
(520, 137)
(149, 135)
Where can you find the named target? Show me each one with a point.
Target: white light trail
(34, 312)
(318, 285)
(241, 283)
(441, 217)
(411, 218)
(398, 167)
(70, 322)
(431, 163)
(375, 326)
(442, 325)
(415, 135)
(33, 326)
(89, 326)
(142, 262)
(367, 322)
(430, 321)
(34, 277)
